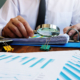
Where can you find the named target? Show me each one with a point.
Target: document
(55, 65)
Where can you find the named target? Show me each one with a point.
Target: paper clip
(46, 47)
(7, 47)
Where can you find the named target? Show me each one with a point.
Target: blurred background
(2, 2)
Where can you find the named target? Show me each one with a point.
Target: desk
(22, 49)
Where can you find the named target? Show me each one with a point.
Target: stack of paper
(37, 39)
(61, 65)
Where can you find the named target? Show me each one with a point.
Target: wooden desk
(22, 49)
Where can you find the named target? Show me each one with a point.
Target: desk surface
(22, 49)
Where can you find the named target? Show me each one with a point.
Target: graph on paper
(42, 66)
(25, 60)
(71, 70)
(37, 36)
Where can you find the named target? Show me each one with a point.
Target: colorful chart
(71, 70)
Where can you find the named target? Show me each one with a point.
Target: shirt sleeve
(9, 10)
(76, 13)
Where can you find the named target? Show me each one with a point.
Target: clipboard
(67, 45)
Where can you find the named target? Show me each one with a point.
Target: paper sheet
(60, 65)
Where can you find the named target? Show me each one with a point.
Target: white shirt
(62, 13)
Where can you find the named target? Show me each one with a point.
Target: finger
(15, 30)
(76, 27)
(26, 25)
(66, 29)
(76, 36)
(20, 27)
(8, 33)
(3, 33)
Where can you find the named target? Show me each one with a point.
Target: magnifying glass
(47, 30)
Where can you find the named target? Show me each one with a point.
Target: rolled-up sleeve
(9, 10)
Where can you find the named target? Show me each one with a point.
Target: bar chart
(22, 67)
(71, 70)
(25, 60)
(40, 66)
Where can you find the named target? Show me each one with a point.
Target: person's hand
(72, 32)
(17, 27)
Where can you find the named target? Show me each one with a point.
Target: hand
(72, 32)
(17, 27)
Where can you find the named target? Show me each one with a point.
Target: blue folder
(67, 45)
